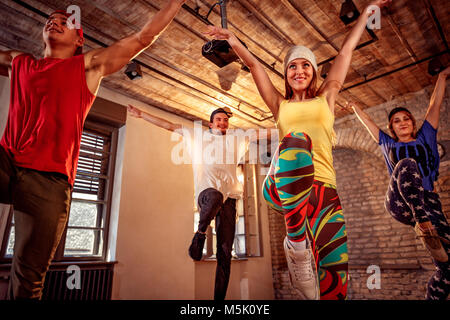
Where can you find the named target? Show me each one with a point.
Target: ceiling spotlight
(133, 71)
(435, 66)
(349, 12)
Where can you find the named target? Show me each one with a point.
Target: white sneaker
(302, 271)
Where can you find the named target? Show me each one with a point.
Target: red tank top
(48, 105)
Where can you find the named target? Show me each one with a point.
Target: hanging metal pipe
(223, 13)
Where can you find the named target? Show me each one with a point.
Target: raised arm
(373, 129)
(271, 96)
(105, 61)
(162, 123)
(6, 58)
(338, 71)
(433, 111)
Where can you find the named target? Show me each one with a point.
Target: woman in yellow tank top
(302, 182)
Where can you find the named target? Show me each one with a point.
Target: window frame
(105, 214)
(106, 206)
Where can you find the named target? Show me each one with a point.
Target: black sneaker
(196, 248)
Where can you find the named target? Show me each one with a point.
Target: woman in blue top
(412, 159)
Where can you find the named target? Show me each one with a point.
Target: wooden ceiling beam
(160, 61)
(395, 70)
(400, 37)
(181, 82)
(436, 24)
(308, 23)
(266, 20)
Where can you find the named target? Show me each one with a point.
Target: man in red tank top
(50, 99)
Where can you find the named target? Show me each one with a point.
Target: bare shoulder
(15, 54)
(6, 57)
(89, 58)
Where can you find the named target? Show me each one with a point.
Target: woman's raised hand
(218, 33)
(381, 3)
(350, 107)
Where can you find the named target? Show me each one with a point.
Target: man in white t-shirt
(215, 155)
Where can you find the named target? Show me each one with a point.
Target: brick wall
(374, 237)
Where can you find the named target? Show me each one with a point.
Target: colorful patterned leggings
(311, 209)
(408, 202)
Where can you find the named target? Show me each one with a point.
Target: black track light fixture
(349, 12)
(220, 52)
(133, 71)
(435, 66)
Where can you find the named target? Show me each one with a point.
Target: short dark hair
(219, 110)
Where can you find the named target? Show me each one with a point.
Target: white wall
(155, 225)
(155, 210)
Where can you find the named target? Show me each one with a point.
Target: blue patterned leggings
(408, 202)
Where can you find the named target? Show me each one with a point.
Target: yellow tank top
(314, 118)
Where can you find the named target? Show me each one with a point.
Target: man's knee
(212, 196)
(26, 281)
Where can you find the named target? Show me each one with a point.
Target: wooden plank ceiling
(178, 79)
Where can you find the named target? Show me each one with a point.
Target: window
(86, 234)
(247, 240)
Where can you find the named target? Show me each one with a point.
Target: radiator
(95, 284)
